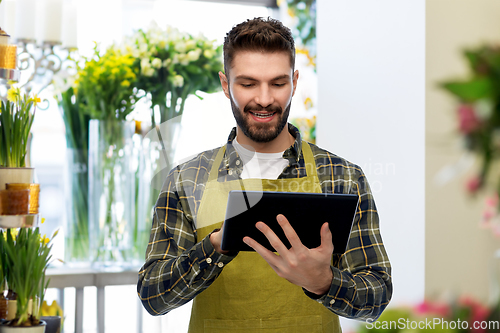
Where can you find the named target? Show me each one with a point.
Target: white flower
(183, 59)
(194, 55)
(180, 46)
(146, 68)
(190, 44)
(210, 53)
(156, 63)
(145, 63)
(175, 59)
(209, 44)
(148, 71)
(167, 62)
(178, 81)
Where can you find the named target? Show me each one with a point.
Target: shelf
(19, 221)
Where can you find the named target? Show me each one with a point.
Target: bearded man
(293, 290)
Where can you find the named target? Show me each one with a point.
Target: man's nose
(264, 96)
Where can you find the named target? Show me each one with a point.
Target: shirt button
(220, 265)
(209, 260)
(237, 162)
(230, 172)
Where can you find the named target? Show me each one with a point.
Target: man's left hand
(306, 268)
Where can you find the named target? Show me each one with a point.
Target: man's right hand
(216, 240)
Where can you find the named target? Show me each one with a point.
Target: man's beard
(260, 132)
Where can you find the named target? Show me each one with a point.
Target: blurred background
(371, 90)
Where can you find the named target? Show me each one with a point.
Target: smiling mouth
(262, 115)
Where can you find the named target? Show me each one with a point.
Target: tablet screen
(306, 212)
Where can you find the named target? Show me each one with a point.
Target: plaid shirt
(179, 265)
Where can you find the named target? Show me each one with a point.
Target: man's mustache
(270, 108)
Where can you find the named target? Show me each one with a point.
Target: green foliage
(25, 259)
(76, 122)
(16, 119)
(305, 11)
(470, 91)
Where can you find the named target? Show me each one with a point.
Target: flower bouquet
(170, 65)
(478, 115)
(105, 90)
(24, 259)
(464, 315)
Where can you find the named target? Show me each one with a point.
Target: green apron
(248, 296)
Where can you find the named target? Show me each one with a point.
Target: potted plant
(25, 257)
(16, 118)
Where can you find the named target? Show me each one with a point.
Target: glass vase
(157, 154)
(76, 250)
(111, 192)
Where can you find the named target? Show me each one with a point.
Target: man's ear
(224, 83)
(295, 79)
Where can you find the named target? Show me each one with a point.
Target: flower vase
(77, 222)
(16, 175)
(3, 306)
(157, 158)
(111, 192)
(23, 329)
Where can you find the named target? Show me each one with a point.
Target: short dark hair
(258, 34)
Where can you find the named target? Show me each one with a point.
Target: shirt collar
(232, 160)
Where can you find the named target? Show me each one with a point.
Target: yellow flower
(13, 94)
(308, 103)
(45, 240)
(35, 99)
(125, 83)
(53, 310)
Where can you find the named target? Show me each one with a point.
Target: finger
(271, 258)
(326, 237)
(274, 240)
(290, 233)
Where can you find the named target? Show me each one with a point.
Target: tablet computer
(306, 212)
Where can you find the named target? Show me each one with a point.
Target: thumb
(326, 237)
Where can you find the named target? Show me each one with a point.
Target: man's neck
(281, 143)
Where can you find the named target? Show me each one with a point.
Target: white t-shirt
(260, 165)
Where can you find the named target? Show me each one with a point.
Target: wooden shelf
(19, 221)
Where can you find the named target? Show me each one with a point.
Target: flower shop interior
(404, 89)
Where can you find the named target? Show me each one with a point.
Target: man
(297, 289)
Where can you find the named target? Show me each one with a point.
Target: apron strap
(309, 160)
(306, 152)
(214, 171)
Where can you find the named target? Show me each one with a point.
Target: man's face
(260, 86)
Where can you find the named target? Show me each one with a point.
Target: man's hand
(306, 268)
(216, 240)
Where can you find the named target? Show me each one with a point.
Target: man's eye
(279, 84)
(246, 85)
